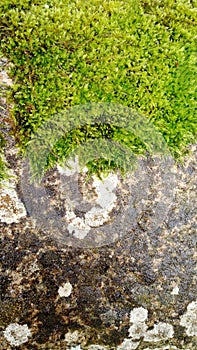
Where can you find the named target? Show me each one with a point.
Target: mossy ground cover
(141, 54)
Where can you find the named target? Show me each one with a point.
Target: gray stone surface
(136, 293)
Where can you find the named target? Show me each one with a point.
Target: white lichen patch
(17, 334)
(161, 331)
(11, 207)
(189, 319)
(65, 290)
(138, 326)
(78, 347)
(99, 214)
(77, 226)
(175, 290)
(96, 217)
(4, 78)
(128, 344)
(137, 330)
(104, 189)
(138, 314)
(71, 337)
(71, 168)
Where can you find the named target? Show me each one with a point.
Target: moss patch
(141, 54)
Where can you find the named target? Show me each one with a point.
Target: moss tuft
(141, 54)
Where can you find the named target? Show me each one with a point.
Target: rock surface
(135, 293)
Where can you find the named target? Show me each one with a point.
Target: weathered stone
(11, 207)
(65, 297)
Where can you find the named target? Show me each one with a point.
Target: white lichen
(78, 347)
(175, 290)
(17, 334)
(128, 344)
(161, 331)
(96, 217)
(71, 337)
(138, 326)
(189, 319)
(138, 314)
(99, 214)
(65, 290)
(104, 189)
(11, 207)
(71, 167)
(77, 226)
(137, 330)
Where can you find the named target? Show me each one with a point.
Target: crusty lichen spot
(11, 207)
(175, 290)
(71, 337)
(104, 201)
(65, 290)
(17, 334)
(98, 214)
(138, 326)
(138, 314)
(128, 344)
(78, 347)
(136, 331)
(189, 319)
(161, 331)
(71, 168)
(139, 329)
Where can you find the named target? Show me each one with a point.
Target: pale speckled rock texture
(96, 299)
(11, 207)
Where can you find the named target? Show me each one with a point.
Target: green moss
(141, 54)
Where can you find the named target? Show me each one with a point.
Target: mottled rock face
(11, 207)
(137, 292)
